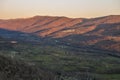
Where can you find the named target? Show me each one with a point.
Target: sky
(69, 8)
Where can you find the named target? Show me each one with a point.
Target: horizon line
(57, 16)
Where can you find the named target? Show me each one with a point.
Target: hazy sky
(69, 8)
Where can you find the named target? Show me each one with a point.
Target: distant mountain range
(100, 33)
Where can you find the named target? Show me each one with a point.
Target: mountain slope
(39, 24)
(47, 26)
(75, 31)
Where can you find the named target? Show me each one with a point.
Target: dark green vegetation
(59, 62)
(12, 69)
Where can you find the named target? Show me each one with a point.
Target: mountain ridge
(75, 31)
